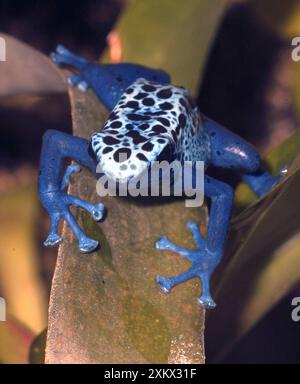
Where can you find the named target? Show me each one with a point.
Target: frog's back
(150, 110)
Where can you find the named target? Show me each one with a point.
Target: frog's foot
(276, 179)
(57, 204)
(203, 261)
(52, 239)
(76, 81)
(64, 56)
(262, 182)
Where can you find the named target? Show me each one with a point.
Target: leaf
(27, 71)
(172, 35)
(106, 307)
(262, 258)
(281, 17)
(21, 284)
(15, 341)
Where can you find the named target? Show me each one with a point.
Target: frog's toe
(73, 80)
(72, 168)
(207, 302)
(98, 212)
(87, 245)
(191, 225)
(55, 58)
(163, 243)
(63, 56)
(62, 50)
(52, 240)
(83, 86)
(60, 55)
(164, 283)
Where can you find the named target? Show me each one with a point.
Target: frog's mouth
(138, 169)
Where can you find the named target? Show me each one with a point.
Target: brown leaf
(105, 307)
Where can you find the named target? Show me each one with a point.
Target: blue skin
(227, 151)
(108, 81)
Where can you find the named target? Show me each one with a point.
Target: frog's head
(145, 126)
(124, 158)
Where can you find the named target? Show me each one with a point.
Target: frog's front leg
(108, 81)
(64, 56)
(56, 147)
(209, 250)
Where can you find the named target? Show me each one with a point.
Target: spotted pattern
(150, 122)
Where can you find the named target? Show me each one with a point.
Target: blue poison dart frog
(148, 118)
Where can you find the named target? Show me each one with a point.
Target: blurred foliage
(19, 273)
(15, 341)
(27, 71)
(171, 35)
(281, 17)
(37, 348)
(296, 87)
(262, 256)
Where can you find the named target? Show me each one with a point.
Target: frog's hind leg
(56, 147)
(198, 259)
(209, 250)
(229, 150)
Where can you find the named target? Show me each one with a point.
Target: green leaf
(281, 17)
(21, 284)
(173, 35)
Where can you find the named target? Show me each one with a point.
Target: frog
(149, 120)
